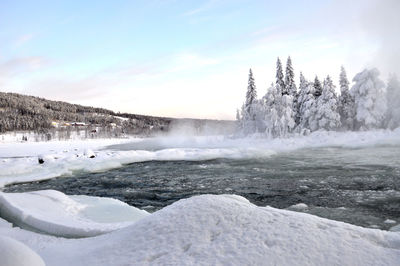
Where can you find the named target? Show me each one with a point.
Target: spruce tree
(307, 105)
(271, 105)
(370, 102)
(317, 87)
(251, 94)
(290, 86)
(346, 102)
(393, 102)
(249, 108)
(279, 77)
(326, 113)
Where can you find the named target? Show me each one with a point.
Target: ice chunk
(15, 253)
(298, 207)
(55, 213)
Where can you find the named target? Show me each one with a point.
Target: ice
(15, 253)
(55, 213)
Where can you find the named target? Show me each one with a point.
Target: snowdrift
(55, 213)
(15, 253)
(226, 230)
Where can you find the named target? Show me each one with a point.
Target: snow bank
(15, 253)
(19, 170)
(222, 230)
(225, 230)
(55, 213)
(60, 159)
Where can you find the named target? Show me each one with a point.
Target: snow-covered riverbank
(19, 161)
(201, 230)
(219, 230)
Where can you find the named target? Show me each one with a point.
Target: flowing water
(355, 185)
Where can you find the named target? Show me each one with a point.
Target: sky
(186, 58)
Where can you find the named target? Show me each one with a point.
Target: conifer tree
(326, 113)
(249, 108)
(290, 86)
(346, 102)
(279, 76)
(370, 102)
(317, 87)
(251, 94)
(307, 105)
(393, 102)
(271, 104)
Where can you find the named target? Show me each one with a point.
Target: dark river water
(356, 185)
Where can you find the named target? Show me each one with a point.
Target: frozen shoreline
(19, 161)
(223, 229)
(204, 230)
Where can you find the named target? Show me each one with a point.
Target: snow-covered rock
(15, 253)
(298, 207)
(55, 213)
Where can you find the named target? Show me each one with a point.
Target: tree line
(22, 112)
(315, 105)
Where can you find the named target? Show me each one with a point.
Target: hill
(28, 113)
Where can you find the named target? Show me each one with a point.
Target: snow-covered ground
(202, 230)
(220, 230)
(19, 161)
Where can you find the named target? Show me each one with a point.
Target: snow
(15, 253)
(222, 230)
(55, 213)
(64, 158)
(298, 207)
(5, 224)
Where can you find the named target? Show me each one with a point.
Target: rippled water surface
(358, 185)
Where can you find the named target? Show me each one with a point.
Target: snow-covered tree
(251, 94)
(287, 115)
(271, 113)
(279, 115)
(305, 103)
(250, 107)
(238, 115)
(393, 102)
(317, 87)
(326, 114)
(290, 86)
(370, 101)
(299, 98)
(346, 102)
(279, 76)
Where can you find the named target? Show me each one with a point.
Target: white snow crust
(55, 213)
(222, 230)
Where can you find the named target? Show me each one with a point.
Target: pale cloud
(24, 39)
(21, 65)
(203, 8)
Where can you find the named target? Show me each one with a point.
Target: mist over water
(338, 178)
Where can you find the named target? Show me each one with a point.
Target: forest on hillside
(21, 112)
(315, 105)
(28, 113)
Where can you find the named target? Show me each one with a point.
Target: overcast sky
(185, 58)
